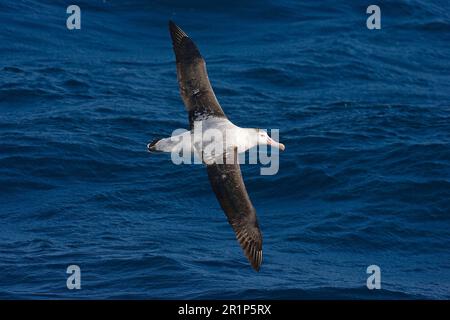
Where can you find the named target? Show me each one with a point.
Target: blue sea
(364, 180)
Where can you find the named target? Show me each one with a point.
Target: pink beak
(275, 144)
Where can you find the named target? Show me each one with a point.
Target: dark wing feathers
(228, 185)
(226, 179)
(195, 88)
(185, 49)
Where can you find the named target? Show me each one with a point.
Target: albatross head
(264, 139)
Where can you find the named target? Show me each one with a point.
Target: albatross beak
(278, 145)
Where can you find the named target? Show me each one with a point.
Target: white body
(215, 140)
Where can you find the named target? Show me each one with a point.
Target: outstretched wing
(228, 185)
(195, 88)
(226, 179)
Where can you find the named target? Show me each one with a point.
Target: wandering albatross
(225, 176)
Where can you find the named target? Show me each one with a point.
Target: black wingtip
(251, 243)
(255, 258)
(176, 33)
(184, 48)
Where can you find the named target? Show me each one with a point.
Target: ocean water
(365, 178)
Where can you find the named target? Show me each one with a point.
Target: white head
(264, 139)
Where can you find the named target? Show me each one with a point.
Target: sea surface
(364, 179)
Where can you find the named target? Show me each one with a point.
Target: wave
(20, 95)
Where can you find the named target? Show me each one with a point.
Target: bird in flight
(205, 113)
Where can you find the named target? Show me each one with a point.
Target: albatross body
(205, 113)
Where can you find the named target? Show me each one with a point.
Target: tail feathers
(152, 145)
